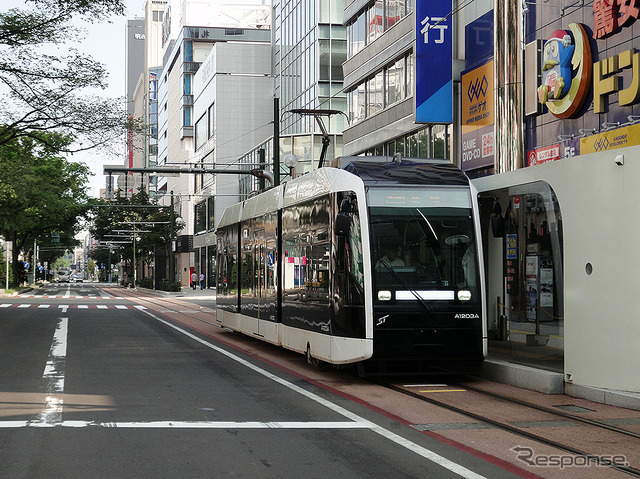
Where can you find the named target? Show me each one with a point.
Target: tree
(152, 222)
(41, 193)
(43, 88)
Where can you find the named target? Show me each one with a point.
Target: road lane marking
(69, 306)
(52, 414)
(192, 425)
(53, 376)
(443, 391)
(391, 436)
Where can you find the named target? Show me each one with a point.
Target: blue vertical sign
(434, 62)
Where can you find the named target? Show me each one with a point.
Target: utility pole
(276, 141)
(172, 266)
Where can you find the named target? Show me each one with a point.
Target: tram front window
(423, 243)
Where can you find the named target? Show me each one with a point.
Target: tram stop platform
(541, 369)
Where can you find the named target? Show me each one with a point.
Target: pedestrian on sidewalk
(201, 281)
(194, 280)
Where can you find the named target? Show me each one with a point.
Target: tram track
(599, 459)
(165, 304)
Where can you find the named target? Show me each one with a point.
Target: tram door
(259, 277)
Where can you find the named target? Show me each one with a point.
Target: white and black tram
(376, 262)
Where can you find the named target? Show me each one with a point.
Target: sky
(104, 42)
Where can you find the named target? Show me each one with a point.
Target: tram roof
(383, 170)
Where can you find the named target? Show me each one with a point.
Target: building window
(395, 88)
(200, 217)
(211, 217)
(211, 119)
(188, 51)
(187, 85)
(374, 21)
(186, 116)
(375, 94)
(201, 132)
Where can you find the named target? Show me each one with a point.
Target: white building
(233, 110)
(190, 33)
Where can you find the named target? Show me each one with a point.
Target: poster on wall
(434, 62)
(477, 118)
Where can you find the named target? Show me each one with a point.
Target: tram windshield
(423, 244)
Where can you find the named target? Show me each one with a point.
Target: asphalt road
(96, 386)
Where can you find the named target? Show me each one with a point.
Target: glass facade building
(309, 48)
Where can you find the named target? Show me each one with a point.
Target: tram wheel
(310, 359)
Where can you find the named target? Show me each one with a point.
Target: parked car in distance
(76, 278)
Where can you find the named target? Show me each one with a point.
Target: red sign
(543, 155)
(610, 15)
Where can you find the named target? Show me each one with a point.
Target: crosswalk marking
(72, 306)
(32, 296)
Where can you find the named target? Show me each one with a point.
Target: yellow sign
(477, 98)
(611, 140)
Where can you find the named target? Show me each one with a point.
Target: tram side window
(247, 281)
(227, 289)
(306, 250)
(270, 257)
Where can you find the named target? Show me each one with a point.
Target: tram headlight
(464, 295)
(384, 295)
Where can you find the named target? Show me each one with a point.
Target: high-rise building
(309, 46)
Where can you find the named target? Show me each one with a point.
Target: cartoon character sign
(556, 70)
(566, 72)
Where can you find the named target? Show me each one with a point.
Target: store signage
(477, 117)
(511, 263)
(543, 155)
(605, 80)
(611, 140)
(610, 15)
(434, 62)
(566, 71)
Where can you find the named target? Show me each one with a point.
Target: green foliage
(122, 216)
(171, 286)
(41, 193)
(45, 90)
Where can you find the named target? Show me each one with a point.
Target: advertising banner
(611, 140)
(477, 118)
(434, 62)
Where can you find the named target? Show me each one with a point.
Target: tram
(373, 261)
